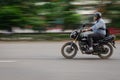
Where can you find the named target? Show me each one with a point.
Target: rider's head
(97, 16)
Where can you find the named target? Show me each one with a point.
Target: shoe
(91, 49)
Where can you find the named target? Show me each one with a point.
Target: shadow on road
(58, 58)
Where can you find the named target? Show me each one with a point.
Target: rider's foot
(91, 49)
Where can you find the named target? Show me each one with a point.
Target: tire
(107, 54)
(69, 51)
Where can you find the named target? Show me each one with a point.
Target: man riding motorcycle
(98, 30)
(94, 40)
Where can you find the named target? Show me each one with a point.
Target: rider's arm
(88, 29)
(98, 25)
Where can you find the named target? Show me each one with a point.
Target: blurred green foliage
(112, 12)
(10, 15)
(60, 13)
(20, 13)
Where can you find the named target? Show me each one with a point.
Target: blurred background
(53, 19)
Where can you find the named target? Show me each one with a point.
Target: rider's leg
(90, 41)
(90, 38)
(92, 35)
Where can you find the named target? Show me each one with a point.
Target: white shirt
(99, 24)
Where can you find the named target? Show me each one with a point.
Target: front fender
(72, 44)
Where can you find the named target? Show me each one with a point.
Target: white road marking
(7, 61)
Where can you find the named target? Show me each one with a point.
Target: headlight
(73, 34)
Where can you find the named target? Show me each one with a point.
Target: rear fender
(113, 44)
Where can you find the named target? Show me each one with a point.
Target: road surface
(43, 61)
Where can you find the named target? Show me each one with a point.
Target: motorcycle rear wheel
(107, 53)
(68, 51)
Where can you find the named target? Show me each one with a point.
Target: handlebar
(81, 28)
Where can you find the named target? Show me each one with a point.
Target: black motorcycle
(101, 47)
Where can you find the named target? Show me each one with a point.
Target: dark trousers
(91, 35)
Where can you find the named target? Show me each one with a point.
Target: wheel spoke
(68, 51)
(106, 52)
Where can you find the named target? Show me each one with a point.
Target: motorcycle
(103, 48)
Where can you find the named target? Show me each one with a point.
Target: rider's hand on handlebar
(87, 29)
(84, 30)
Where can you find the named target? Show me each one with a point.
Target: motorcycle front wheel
(107, 51)
(68, 50)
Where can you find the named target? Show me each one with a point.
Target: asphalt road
(43, 61)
